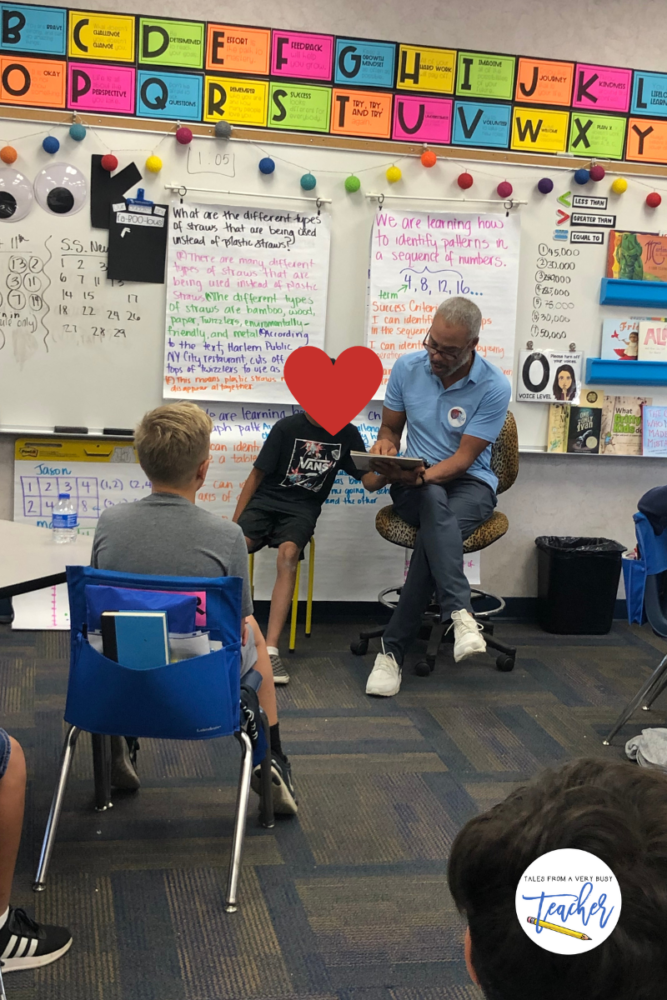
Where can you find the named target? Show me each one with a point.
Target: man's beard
(453, 368)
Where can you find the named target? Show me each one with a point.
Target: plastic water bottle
(65, 520)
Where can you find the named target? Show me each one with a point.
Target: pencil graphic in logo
(557, 927)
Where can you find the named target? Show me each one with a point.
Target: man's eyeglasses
(446, 353)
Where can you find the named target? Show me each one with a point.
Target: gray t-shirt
(165, 535)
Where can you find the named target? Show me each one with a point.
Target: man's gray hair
(461, 312)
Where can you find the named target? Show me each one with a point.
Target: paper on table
(42, 609)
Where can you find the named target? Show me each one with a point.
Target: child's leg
(12, 798)
(281, 598)
(267, 692)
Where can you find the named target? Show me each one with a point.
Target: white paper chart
(419, 259)
(245, 286)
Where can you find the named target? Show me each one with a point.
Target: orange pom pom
(429, 159)
(8, 154)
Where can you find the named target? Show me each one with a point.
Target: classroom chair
(295, 596)
(505, 465)
(195, 699)
(646, 596)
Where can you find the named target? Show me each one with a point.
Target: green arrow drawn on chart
(403, 288)
(565, 199)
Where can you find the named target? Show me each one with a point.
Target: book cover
(619, 339)
(621, 430)
(638, 256)
(652, 340)
(654, 430)
(136, 639)
(583, 437)
(559, 421)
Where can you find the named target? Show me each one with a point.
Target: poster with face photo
(549, 376)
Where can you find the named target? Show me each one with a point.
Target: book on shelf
(653, 340)
(583, 434)
(654, 431)
(621, 430)
(136, 639)
(561, 417)
(636, 256)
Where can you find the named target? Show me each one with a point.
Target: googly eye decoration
(61, 189)
(15, 195)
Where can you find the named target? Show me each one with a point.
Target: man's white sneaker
(467, 635)
(385, 677)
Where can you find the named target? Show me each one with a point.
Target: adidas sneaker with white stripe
(25, 944)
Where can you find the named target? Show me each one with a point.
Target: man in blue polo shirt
(454, 403)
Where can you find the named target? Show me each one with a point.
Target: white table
(30, 559)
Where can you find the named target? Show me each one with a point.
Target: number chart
(96, 474)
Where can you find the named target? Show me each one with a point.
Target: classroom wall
(563, 495)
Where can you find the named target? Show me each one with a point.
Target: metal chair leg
(266, 817)
(295, 608)
(655, 692)
(102, 771)
(251, 573)
(54, 814)
(240, 821)
(643, 695)
(311, 582)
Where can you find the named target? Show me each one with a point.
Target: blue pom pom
(50, 144)
(308, 182)
(582, 176)
(77, 132)
(267, 165)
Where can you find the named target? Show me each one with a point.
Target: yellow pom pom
(620, 185)
(154, 164)
(393, 174)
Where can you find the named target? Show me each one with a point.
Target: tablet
(362, 460)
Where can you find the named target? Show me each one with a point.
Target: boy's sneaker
(25, 944)
(468, 638)
(280, 675)
(384, 679)
(284, 796)
(124, 763)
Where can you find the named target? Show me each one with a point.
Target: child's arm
(372, 481)
(248, 492)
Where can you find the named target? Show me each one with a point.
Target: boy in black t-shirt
(282, 499)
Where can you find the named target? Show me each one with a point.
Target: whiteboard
(113, 382)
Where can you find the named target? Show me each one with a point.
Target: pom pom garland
(267, 165)
(653, 199)
(393, 174)
(597, 172)
(308, 182)
(77, 132)
(545, 185)
(504, 189)
(184, 135)
(620, 185)
(465, 181)
(352, 184)
(8, 154)
(428, 158)
(223, 130)
(109, 162)
(581, 176)
(154, 164)
(50, 144)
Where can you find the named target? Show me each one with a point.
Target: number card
(426, 69)
(40, 30)
(101, 36)
(32, 81)
(422, 119)
(238, 50)
(365, 64)
(171, 43)
(241, 101)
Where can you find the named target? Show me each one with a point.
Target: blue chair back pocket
(195, 699)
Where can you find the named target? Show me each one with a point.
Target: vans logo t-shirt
(310, 464)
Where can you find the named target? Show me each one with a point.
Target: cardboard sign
(482, 124)
(169, 95)
(422, 119)
(647, 140)
(42, 30)
(482, 75)
(592, 219)
(649, 94)
(241, 101)
(305, 108)
(39, 82)
(354, 112)
(306, 57)
(421, 68)
(597, 135)
(366, 64)
(100, 36)
(549, 376)
(238, 50)
(601, 88)
(100, 88)
(542, 81)
(540, 130)
(171, 43)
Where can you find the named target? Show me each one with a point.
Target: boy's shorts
(248, 653)
(273, 527)
(5, 752)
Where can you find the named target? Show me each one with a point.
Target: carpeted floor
(349, 900)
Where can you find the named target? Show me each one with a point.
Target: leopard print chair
(505, 465)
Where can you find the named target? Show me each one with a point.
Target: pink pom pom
(597, 172)
(504, 189)
(184, 135)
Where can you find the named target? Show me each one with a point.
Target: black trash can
(577, 583)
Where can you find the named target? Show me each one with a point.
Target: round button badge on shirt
(457, 416)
